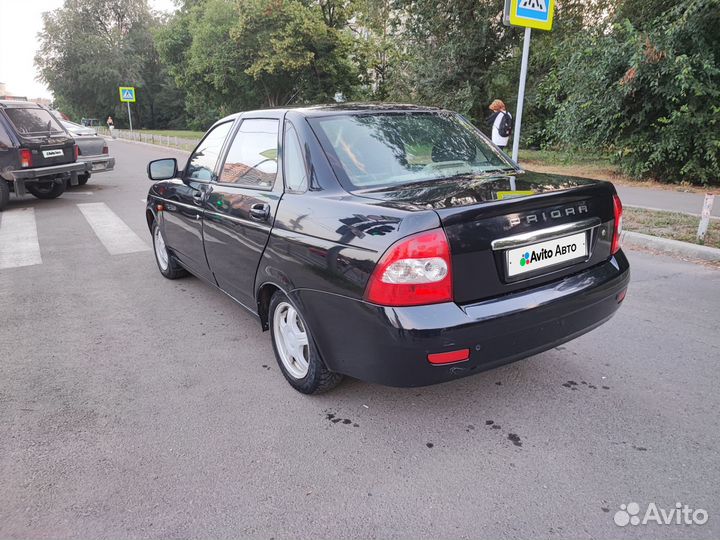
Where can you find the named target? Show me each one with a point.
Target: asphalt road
(136, 407)
(660, 199)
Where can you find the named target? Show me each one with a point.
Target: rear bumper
(43, 172)
(390, 345)
(99, 163)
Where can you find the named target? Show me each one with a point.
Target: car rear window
(390, 149)
(33, 121)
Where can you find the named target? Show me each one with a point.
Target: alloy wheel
(292, 340)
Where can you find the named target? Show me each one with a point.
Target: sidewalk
(673, 201)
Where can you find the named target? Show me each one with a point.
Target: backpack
(505, 128)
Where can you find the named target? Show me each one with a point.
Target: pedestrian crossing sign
(532, 13)
(127, 94)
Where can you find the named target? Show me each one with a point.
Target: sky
(20, 22)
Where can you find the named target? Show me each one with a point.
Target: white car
(76, 130)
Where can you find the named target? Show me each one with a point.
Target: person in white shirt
(501, 122)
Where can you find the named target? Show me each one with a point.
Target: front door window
(201, 164)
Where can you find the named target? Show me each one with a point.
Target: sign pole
(705, 217)
(129, 115)
(521, 94)
(127, 95)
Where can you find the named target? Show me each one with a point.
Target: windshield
(390, 149)
(33, 121)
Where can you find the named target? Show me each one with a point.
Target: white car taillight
(416, 271)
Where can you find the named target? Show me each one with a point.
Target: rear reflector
(621, 296)
(449, 357)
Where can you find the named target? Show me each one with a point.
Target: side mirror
(162, 169)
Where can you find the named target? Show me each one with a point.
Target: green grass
(572, 164)
(557, 157)
(183, 134)
(670, 225)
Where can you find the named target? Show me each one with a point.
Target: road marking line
(72, 195)
(18, 238)
(112, 231)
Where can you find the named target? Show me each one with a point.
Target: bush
(649, 96)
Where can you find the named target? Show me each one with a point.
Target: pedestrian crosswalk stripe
(112, 231)
(18, 238)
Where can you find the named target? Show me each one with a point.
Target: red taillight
(617, 231)
(105, 150)
(449, 357)
(77, 152)
(25, 157)
(414, 271)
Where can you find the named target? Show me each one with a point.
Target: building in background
(4, 94)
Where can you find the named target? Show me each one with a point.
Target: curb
(673, 247)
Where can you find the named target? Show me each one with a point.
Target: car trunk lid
(488, 219)
(47, 151)
(40, 132)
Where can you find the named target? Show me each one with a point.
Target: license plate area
(542, 257)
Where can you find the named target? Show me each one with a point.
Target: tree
(292, 52)
(377, 29)
(647, 94)
(455, 50)
(88, 48)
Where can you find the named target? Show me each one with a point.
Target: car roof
(338, 108)
(319, 110)
(17, 104)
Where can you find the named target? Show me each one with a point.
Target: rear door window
(252, 158)
(32, 121)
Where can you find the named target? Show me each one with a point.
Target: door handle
(260, 211)
(201, 194)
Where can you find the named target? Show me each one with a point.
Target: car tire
(4, 194)
(167, 264)
(83, 179)
(46, 190)
(295, 350)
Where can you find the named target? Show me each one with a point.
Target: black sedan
(394, 244)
